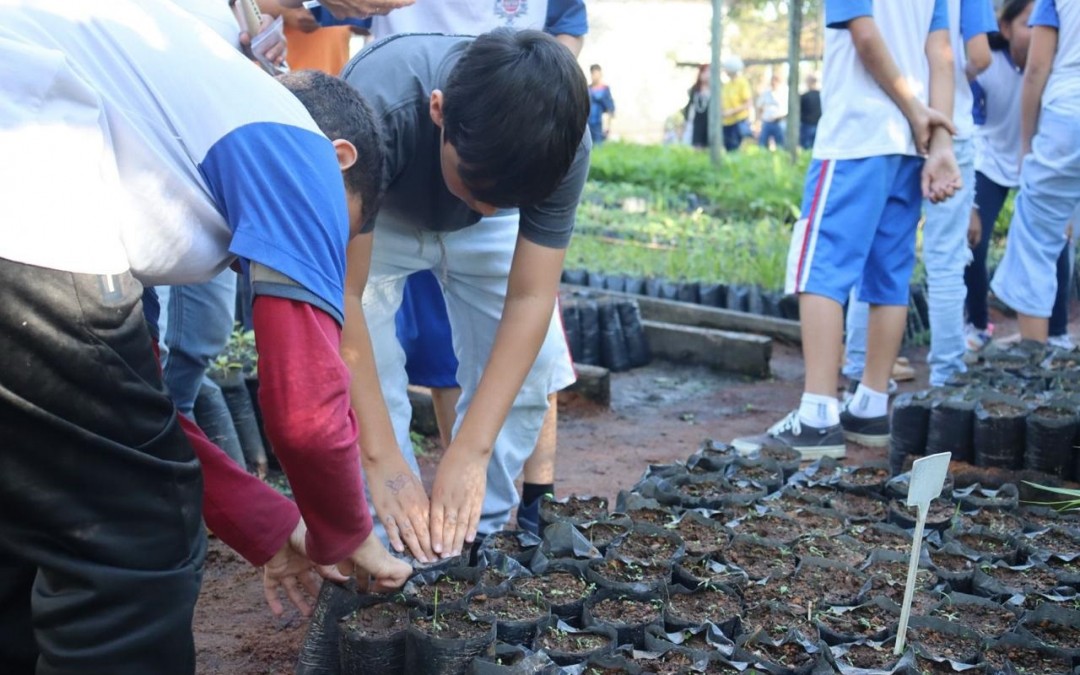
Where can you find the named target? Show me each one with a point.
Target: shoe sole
(820, 451)
(745, 447)
(868, 440)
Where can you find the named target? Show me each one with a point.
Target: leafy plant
(1071, 504)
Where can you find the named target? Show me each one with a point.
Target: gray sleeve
(267, 281)
(551, 222)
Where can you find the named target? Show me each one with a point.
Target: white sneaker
(1063, 342)
(977, 339)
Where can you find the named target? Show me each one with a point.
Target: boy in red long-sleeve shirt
(127, 171)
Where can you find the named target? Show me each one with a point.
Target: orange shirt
(326, 49)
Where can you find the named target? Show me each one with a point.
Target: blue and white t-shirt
(134, 137)
(997, 140)
(859, 119)
(1063, 88)
(967, 19)
(473, 17)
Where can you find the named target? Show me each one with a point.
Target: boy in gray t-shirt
(487, 158)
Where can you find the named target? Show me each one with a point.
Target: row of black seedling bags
(604, 331)
(749, 298)
(1019, 408)
(818, 594)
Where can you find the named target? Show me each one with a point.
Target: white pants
(1049, 196)
(472, 266)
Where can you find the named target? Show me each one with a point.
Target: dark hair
(340, 112)
(514, 108)
(594, 67)
(1009, 11)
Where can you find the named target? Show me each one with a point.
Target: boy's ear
(435, 108)
(346, 153)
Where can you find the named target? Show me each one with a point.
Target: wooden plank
(724, 350)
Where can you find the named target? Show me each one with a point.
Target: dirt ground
(659, 413)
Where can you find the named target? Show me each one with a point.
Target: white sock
(819, 411)
(868, 403)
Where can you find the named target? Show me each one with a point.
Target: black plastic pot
(613, 355)
(566, 607)
(690, 291)
(714, 295)
(1049, 437)
(726, 615)
(319, 654)
(365, 647)
(951, 428)
(1000, 424)
(628, 577)
(571, 657)
(589, 319)
(637, 346)
(1016, 654)
(963, 648)
(686, 573)
(430, 654)
(238, 399)
(596, 280)
(577, 277)
(957, 607)
(571, 319)
(910, 428)
(832, 636)
(629, 631)
(487, 605)
(522, 545)
(213, 417)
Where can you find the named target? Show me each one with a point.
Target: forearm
(1036, 73)
(304, 394)
(875, 57)
(942, 85)
(572, 42)
(977, 56)
(377, 441)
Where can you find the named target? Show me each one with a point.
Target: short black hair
(1009, 11)
(594, 67)
(514, 108)
(340, 112)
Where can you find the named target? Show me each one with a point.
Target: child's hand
(301, 19)
(940, 175)
(401, 505)
(374, 568)
(974, 229)
(457, 498)
(291, 570)
(924, 120)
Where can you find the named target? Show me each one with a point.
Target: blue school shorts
(423, 329)
(857, 229)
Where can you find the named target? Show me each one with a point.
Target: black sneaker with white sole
(811, 442)
(873, 432)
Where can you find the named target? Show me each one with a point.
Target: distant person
(603, 106)
(696, 113)
(738, 100)
(886, 143)
(1050, 174)
(772, 107)
(313, 46)
(809, 113)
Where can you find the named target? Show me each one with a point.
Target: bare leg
(1033, 328)
(885, 332)
(822, 321)
(540, 467)
(445, 401)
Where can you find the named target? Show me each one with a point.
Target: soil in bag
(1015, 654)
(373, 639)
(319, 655)
(629, 614)
(691, 609)
(560, 582)
(446, 643)
(568, 646)
(518, 617)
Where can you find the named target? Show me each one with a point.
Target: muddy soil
(659, 414)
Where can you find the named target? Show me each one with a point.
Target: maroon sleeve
(304, 396)
(247, 514)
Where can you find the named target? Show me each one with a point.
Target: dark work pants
(989, 200)
(101, 539)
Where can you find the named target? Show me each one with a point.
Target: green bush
(751, 184)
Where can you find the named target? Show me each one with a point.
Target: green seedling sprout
(435, 625)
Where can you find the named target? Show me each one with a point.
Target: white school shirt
(967, 19)
(997, 140)
(134, 137)
(1063, 88)
(461, 17)
(858, 118)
